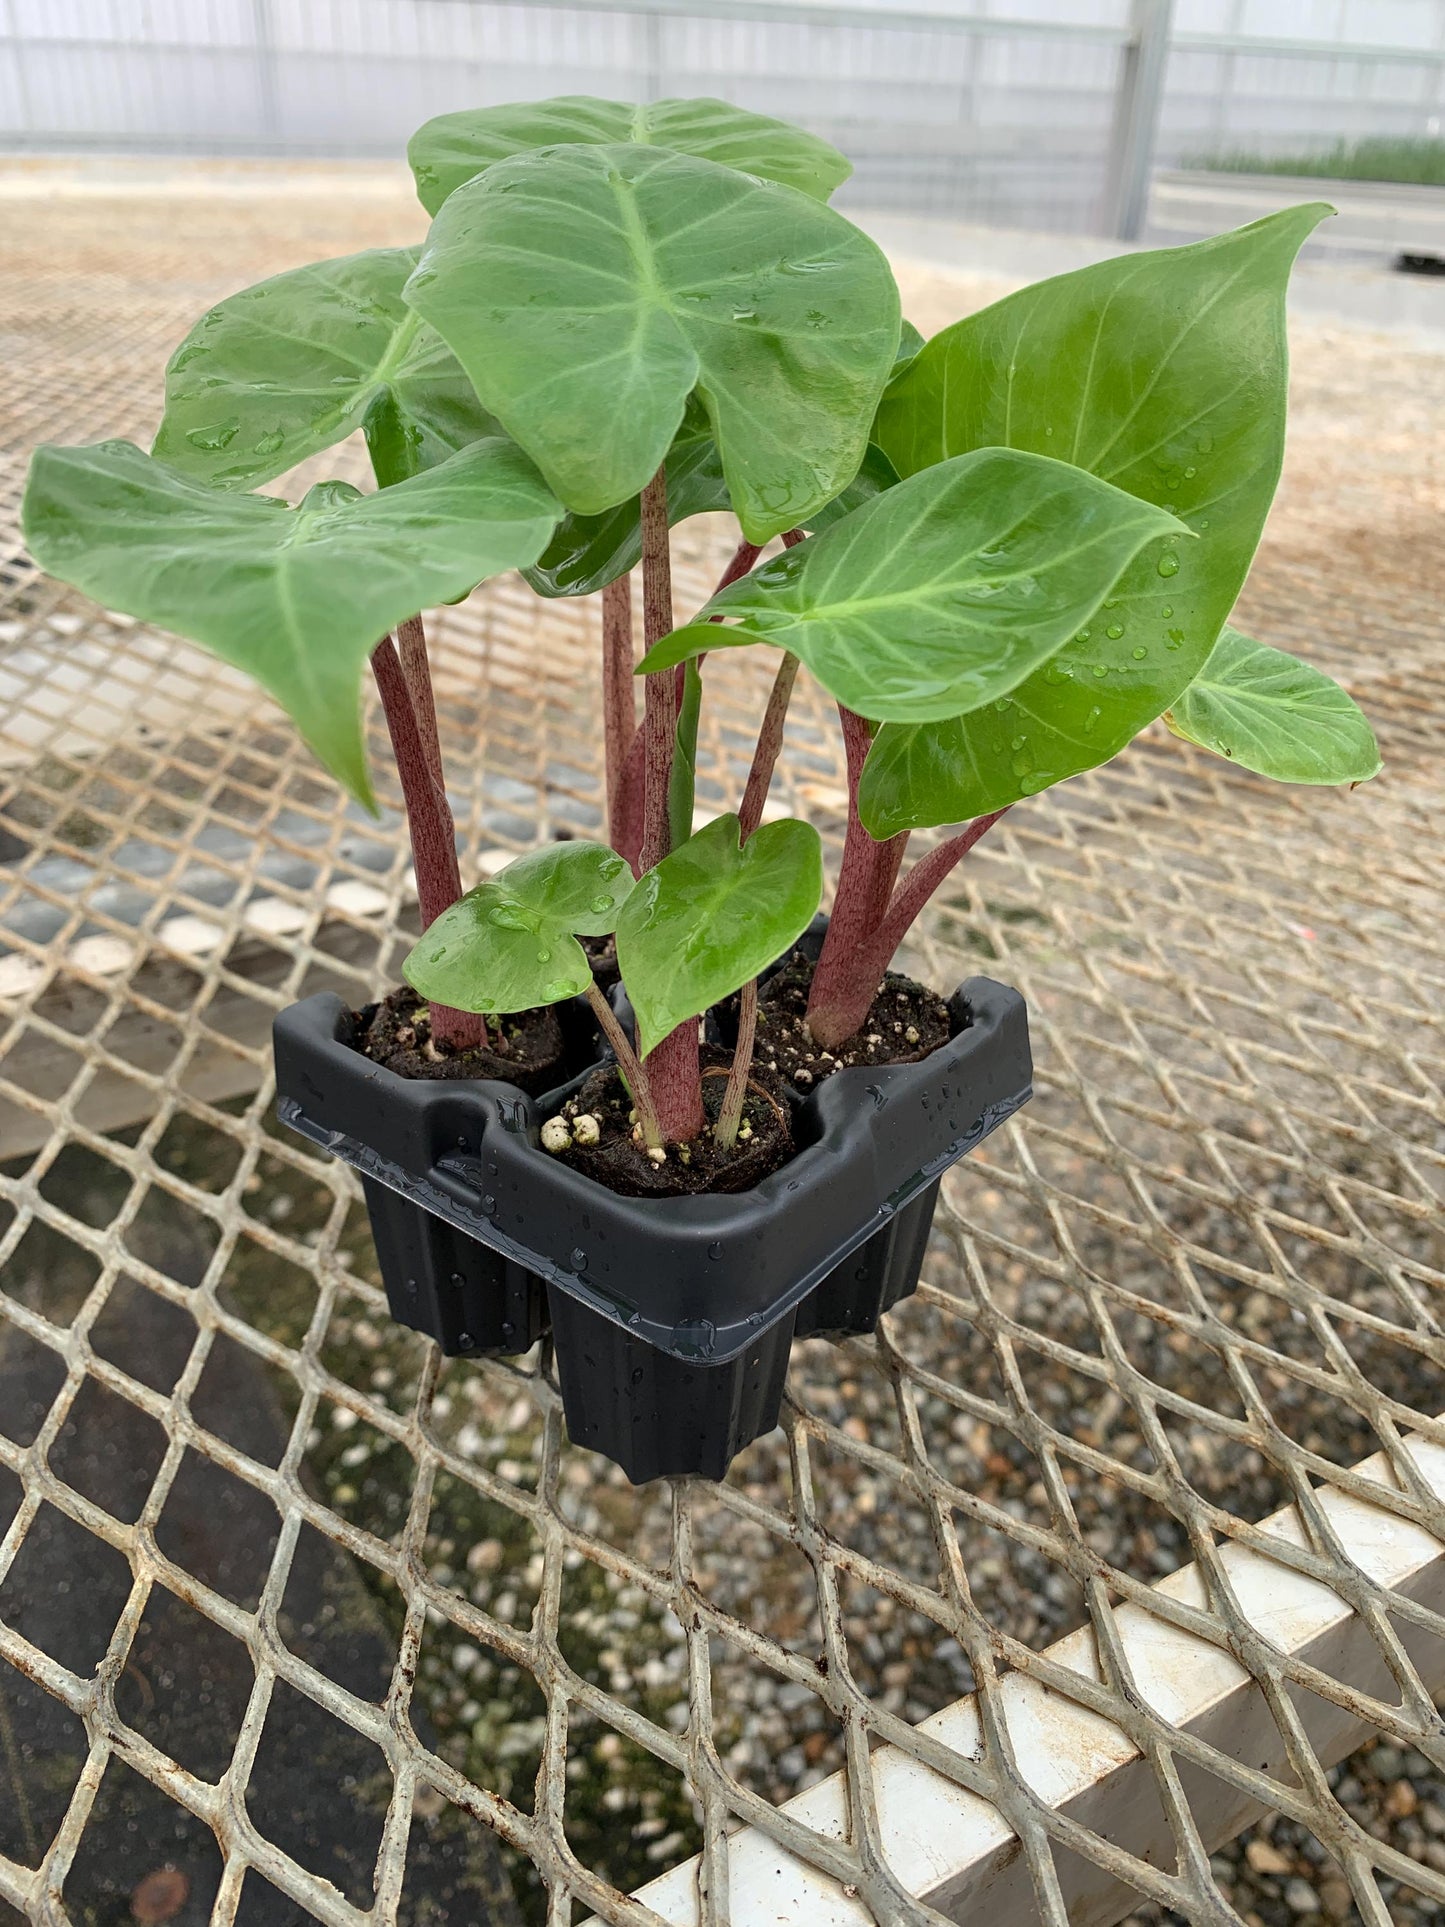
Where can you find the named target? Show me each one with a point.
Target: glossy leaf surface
(1163, 372)
(296, 597)
(588, 291)
(712, 915)
(944, 592)
(453, 148)
(297, 363)
(511, 943)
(1271, 713)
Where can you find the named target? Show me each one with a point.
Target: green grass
(1416, 160)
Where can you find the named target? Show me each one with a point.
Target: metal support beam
(1136, 118)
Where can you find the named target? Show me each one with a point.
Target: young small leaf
(452, 148)
(588, 291)
(589, 551)
(712, 915)
(297, 363)
(942, 593)
(1271, 713)
(297, 598)
(1163, 372)
(511, 943)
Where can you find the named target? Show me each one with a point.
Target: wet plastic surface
(672, 1316)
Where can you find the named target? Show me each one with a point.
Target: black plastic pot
(672, 1317)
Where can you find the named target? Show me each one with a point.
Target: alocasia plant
(1005, 551)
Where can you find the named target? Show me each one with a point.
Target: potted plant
(1004, 554)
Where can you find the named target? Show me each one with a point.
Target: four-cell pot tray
(671, 1318)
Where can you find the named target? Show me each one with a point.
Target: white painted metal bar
(1137, 105)
(957, 1854)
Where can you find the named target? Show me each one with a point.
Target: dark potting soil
(906, 1022)
(602, 955)
(620, 1161)
(526, 1049)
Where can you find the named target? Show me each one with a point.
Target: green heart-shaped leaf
(588, 291)
(282, 370)
(712, 915)
(1164, 373)
(453, 148)
(943, 593)
(297, 598)
(511, 943)
(1274, 714)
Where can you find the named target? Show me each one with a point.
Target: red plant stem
(725, 1131)
(674, 1073)
(744, 556)
(433, 834)
(885, 876)
(845, 979)
(627, 824)
(660, 714)
(924, 878)
(673, 1069)
(627, 1062)
(770, 742)
(411, 647)
(770, 735)
(619, 708)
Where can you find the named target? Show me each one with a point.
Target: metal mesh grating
(1198, 1281)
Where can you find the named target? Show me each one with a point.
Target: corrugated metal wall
(1002, 113)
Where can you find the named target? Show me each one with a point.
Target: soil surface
(906, 1021)
(602, 955)
(620, 1160)
(525, 1049)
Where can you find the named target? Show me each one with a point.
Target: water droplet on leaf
(1114, 631)
(218, 435)
(1168, 563)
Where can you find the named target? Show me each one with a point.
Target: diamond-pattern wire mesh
(1199, 1275)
